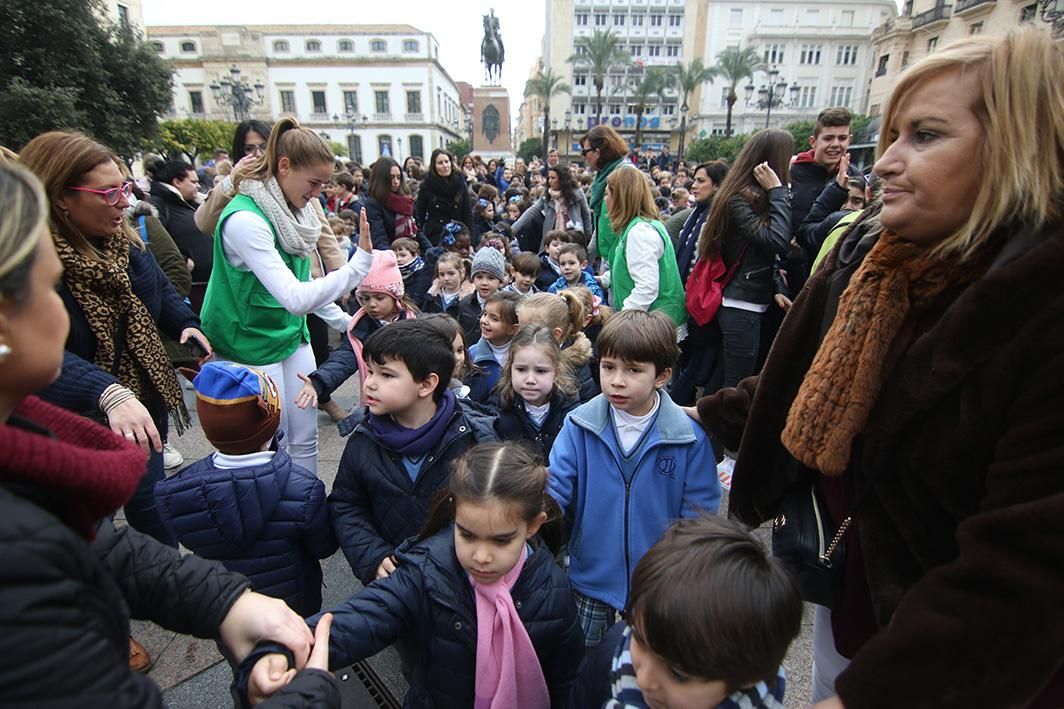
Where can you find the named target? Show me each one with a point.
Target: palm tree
(689, 78)
(734, 65)
(653, 83)
(599, 53)
(545, 86)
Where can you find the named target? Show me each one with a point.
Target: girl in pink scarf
(483, 609)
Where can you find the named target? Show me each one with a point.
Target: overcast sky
(457, 26)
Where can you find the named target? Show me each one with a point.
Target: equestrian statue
(492, 51)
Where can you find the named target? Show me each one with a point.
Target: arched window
(188, 47)
(384, 145)
(378, 45)
(410, 45)
(313, 45)
(158, 47)
(280, 46)
(345, 45)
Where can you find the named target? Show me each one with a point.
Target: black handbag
(808, 544)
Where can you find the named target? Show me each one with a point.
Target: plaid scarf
(412, 267)
(103, 291)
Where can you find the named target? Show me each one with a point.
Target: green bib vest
(241, 319)
(670, 300)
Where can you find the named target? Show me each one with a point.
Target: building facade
(652, 33)
(124, 13)
(820, 51)
(378, 89)
(927, 25)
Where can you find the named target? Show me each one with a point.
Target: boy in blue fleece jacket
(626, 465)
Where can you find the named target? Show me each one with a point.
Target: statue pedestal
(491, 122)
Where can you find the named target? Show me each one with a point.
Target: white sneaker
(171, 456)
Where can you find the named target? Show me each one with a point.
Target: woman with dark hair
(389, 206)
(748, 226)
(700, 351)
(604, 150)
(563, 206)
(444, 197)
(250, 139)
(117, 297)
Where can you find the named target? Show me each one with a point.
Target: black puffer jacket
(764, 238)
(441, 200)
(179, 218)
(429, 603)
(374, 504)
(514, 423)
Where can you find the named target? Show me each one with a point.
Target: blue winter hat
(239, 408)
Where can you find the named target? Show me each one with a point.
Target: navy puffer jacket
(269, 522)
(428, 601)
(374, 505)
(514, 423)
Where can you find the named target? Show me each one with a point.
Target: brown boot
(335, 411)
(139, 659)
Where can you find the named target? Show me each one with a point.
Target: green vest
(241, 319)
(605, 237)
(670, 300)
(829, 243)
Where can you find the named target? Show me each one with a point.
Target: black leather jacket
(764, 237)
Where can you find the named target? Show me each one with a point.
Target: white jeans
(300, 426)
(827, 662)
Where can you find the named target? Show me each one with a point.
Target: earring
(5, 351)
(66, 213)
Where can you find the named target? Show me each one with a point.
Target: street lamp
(568, 130)
(683, 132)
(770, 95)
(240, 96)
(350, 119)
(554, 129)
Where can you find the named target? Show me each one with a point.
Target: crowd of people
(551, 358)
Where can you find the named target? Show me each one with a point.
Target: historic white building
(379, 89)
(820, 49)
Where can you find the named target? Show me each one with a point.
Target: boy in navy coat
(249, 506)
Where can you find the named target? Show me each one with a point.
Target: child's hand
(435, 287)
(269, 675)
(386, 568)
(308, 395)
(766, 176)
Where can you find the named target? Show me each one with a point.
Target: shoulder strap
(142, 228)
(735, 266)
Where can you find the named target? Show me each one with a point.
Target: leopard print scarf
(103, 290)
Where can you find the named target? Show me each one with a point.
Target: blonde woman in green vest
(643, 272)
(260, 290)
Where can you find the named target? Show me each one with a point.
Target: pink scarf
(561, 211)
(508, 671)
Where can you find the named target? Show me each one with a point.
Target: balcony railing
(319, 117)
(965, 5)
(382, 117)
(935, 14)
(414, 117)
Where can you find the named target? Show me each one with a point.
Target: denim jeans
(741, 335)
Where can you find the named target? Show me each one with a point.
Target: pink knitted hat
(384, 276)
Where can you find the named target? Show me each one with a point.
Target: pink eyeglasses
(112, 196)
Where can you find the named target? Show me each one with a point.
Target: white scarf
(561, 211)
(298, 233)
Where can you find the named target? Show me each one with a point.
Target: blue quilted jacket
(269, 522)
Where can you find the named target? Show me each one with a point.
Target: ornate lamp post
(683, 132)
(771, 95)
(350, 121)
(238, 95)
(568, 130)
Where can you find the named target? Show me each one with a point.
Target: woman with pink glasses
(114, 366)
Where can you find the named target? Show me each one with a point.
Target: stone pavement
(193, 675)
